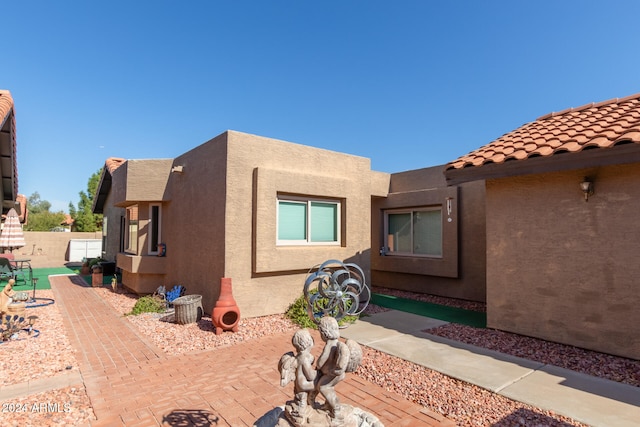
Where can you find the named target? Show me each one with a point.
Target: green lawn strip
(436, 311)
(42, 274)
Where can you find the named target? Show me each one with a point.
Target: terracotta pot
(226, 313)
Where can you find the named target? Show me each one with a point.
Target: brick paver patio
(131, 382)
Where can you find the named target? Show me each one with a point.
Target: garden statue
(335, 289)
(299, 368)
(337, 358)
(6, 297)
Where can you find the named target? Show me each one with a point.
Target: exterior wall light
(587, 188)
(177, 169)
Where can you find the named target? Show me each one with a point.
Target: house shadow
(190, 418)
(523, 417)
(79, 281)
(72, 265)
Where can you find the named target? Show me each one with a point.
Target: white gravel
(467, 405)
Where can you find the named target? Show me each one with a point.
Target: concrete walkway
(587, 399)
(130, 382)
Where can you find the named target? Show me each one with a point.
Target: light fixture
(449, 199)
(177, 169)
(587, 188)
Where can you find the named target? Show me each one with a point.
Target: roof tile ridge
(589, 105)
(113, 163)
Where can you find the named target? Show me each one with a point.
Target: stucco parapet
(142, 264)
(380, 182)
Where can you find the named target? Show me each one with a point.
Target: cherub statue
(337, 358)
(299, 368)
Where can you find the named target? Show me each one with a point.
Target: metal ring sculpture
(335, 289)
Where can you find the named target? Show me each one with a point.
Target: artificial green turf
(449, 314)
(42, 274)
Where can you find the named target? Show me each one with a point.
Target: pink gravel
(50, 354)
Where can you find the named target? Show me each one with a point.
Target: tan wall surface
(140, 180)
(49, 249)
(266, 277)
(563, 269)
(461, 272)
(193, 221)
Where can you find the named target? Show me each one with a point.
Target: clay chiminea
(226, 313)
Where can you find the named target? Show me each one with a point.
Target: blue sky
(408, 84)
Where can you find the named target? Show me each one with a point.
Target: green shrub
(94, 261)
(298, 314)
(148, 304)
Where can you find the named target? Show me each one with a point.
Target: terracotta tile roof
(113, 163)
(67, 220)
(7, 112)
(601, 125)
(6, 105)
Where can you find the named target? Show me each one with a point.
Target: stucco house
(538, 224)
(257, 210)
(429, 237)
(562, 229)
(263, 212)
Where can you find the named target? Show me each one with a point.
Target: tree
(36, 205)
(83, 217)
(40, 219)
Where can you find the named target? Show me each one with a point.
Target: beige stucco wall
(141, 183)
(267, 277)
(140, 180)
(48, 249)
(193, 221)
(563, 269)
(461, 272)
(219, 219)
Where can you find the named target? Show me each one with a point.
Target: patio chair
(9, 269)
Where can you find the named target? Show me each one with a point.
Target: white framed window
(304, 221)
(131, 230)
(414, 232)
(155, 227)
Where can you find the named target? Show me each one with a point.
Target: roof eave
(102, 192)
(620, 154)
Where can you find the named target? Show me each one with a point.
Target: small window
(131, 233)
(416, 232)
(304, 221)
(155, 226)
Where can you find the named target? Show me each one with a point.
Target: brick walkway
(131, 382)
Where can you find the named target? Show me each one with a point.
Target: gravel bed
(467, 405)
(37, 357)
(588, 362)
